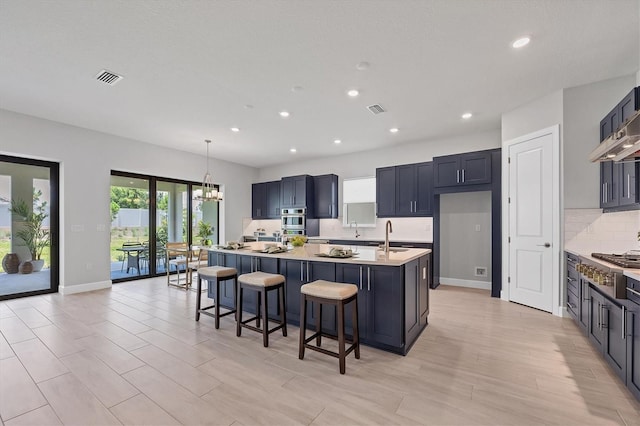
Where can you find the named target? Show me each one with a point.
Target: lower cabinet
(380, 302)
(227, 291)
(297, 273)
(606, 331)
(633, 349)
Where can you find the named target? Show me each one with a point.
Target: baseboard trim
(82, 288)
(482, 285)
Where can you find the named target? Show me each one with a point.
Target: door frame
(556, 242)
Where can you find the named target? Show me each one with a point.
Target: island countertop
(310, 252)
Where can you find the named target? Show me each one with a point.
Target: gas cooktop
(626, 260)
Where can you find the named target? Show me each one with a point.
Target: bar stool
(262, 283)
(215, 274)
(337, 294)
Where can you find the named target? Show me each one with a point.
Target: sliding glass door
(28, 227)
(146, 213)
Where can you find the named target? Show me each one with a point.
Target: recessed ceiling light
(353, 93)
(363, 66)
(235, 129)
(293, 150)
(521, 42)
(337, 141)
(394, 130)
(284, 114)
(467, 115)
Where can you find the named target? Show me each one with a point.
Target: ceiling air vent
(376, 109)
(108, 77)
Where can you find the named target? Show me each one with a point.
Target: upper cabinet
(620, 114)
(326, 196)
(405, 191)
(265, 200)
(618, 185)
(297, 191)
(472, 168)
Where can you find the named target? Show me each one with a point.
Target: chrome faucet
(387, 230)
(356, 224)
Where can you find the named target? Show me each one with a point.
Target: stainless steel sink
(394, 249)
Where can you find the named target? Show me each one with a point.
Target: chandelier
(209, 190)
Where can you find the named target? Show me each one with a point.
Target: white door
(531, 210)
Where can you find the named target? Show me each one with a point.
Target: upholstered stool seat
(332, 293)
(216, 274)
(261, 283)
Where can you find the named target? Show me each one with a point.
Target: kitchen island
(393, 295)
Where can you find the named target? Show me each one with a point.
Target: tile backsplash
(590, 230)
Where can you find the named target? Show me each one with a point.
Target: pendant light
(209, 190)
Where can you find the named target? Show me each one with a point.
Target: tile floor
(134, 355)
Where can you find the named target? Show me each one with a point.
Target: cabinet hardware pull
(633, 291)
(301, 271)
(585, 290)
(624, 323)
(604, 190)
(307, 271)
(602, 324)
(629, 185)
(457, 176)
(463, 175)
(361, 278)
(368, 278)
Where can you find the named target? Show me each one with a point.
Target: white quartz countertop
(391, 240)
(361, 254)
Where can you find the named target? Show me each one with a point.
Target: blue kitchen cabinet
(297, 192)
(405, 190)
(471, 168)
(265, 200)
(633, 337)
(227, 290)
(386, 192)
(628, 183)
(610, 177)
(620, 114)
(325, 188)
(300, 272)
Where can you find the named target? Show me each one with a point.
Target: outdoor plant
(31, 231)
(205, 230)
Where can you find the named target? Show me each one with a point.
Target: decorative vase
(37, 265)
(26, 267)
(10, 263)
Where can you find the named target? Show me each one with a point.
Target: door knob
(544, 245)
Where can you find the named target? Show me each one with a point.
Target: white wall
(538, 114)
(583, 108)
(87, 158)
(465, 238)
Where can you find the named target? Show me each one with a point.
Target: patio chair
(125, 254)
(178, 255)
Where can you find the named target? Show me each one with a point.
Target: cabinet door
(633, 349)
(321, 271)
(446, 171)
(258, 200)
(424, 189)
(386, 192)
(425, 283)
(405, 189)
(605, 126)
(326, 196)
(299, 191)
(286, 192)
(273, 200)
(475, 168)
(615, 344)
(353, 274)
(628, 184)
(293, 271)
(412, 299)
(596, 325)
(627, 107)
(384, 305)
(609, 180)
(584, 313)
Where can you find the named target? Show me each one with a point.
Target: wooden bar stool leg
(283, 315)
(198, 299)
(265, 318)
(318, 323)
(239, 311)
(356, 333)
(258, 297)
(303, 325)
(217, 301)
(341, 351)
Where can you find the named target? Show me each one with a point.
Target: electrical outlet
(477, 228)
(480, 271)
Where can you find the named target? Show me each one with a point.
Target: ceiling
(194, 69)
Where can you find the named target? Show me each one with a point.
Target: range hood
(621, 145)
